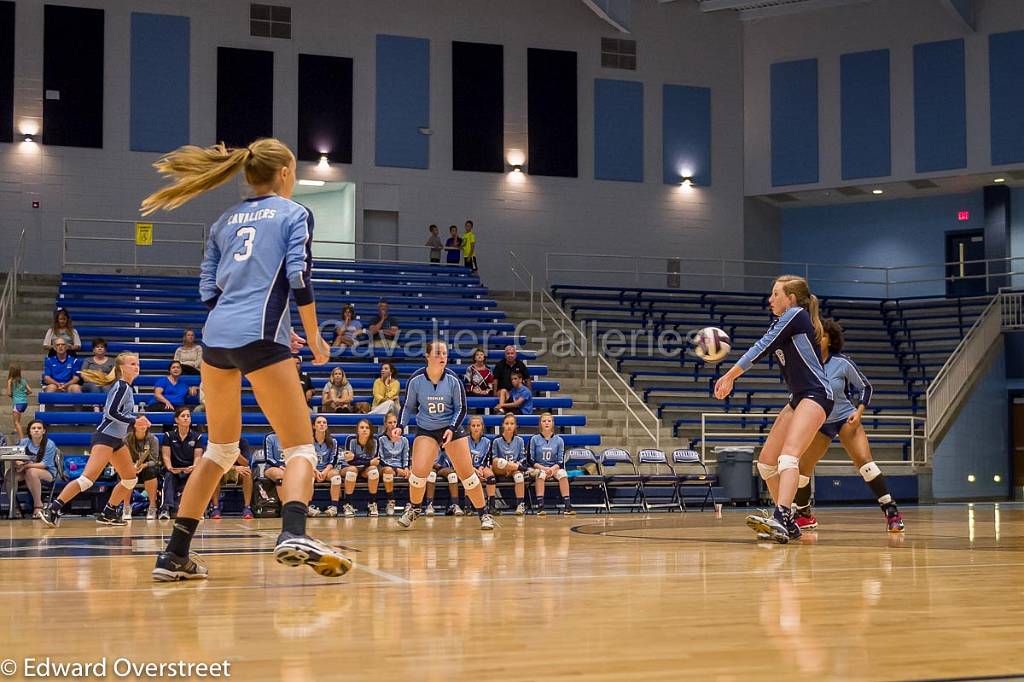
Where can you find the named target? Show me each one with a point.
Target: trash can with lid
(736, 473)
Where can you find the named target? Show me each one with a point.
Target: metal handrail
(517, 276)
(383, 245)
(9, 297)
(914, 433)
(578, 338)
(67, 238)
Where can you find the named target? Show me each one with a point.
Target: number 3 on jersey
(249, 233)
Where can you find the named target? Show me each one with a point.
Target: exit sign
(963, 215)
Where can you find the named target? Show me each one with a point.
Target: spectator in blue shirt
(60, 370)
(43, 465)
(520, 398)
(171, 392)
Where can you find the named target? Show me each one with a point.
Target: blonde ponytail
(195, 170)
(813, 311)
(794, 285)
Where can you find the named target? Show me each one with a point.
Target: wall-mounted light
(877, 191)
(28, 137)
(517, 168)
(971, 478)
(997, 478)
(324, 164)
(686, 181)
(999, 180)
(312, 183)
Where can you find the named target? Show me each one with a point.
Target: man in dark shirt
(307, 383)
(383, 327)
(503, 370)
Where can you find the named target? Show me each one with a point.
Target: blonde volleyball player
(794, 338)
(437, 396)
(108, 446)
(258, 256)
(849, 385)
(508, 458)
(546, 455)
(394, 456)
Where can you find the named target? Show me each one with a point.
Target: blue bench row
(258, 418)
(365, 352)
(351, 368)
(149, 380)
(494, 334)
(249, 400)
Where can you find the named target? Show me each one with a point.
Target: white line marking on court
(390, 577)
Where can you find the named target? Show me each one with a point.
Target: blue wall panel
(1006, 92)
(159, 82)
(618, 130)
(794, 88)
(940, 106)
(403, 101)
(686, 134)
(865, 114)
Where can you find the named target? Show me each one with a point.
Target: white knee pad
(469, 483)
(417, 482)
(500, 463)
(84, 483)
(767, 470)
(335, 479)
(787, 462)
(223, 455)
(372, 475)
(560, 474)
(541, 475)
(351, 476)
(804, 481)
(431, 477)
(306, 452)
(870, 472)
(518, 477)
(454, 478)
(388, 478)
(129, 483)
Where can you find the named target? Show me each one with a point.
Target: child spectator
(434, 242)
(19, 391)
(189, 353)
(503, 372)
(478, 378)
(469, 247)
(60, 370)
(520, 398)
(453, 246)
(62, 328)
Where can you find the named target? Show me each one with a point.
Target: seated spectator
(508, 459)
(171, 392)
(180, 453)
(338, 394)
(145, 453)
(327, 467)
(546, 457)
(97, 372)
(385, 390)
(189, 353)
(62, 329)
(394, 456)
(41, 468)
(520, 398)
(239, 474)
(434, 242)
(453, 246)
(307, 383)
(60, 370)
(347, 332)
(383, 327)
(364, 463)
(19, 391)
(274, 458)
(479, 380)
(503, 373)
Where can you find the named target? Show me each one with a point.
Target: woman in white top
(189, 353)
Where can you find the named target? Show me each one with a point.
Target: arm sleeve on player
(299, 260)
(410, 405)
(208, 289)
(773, 338)
(860, 388)
(559, 450)
(115, 406)
(458, 401)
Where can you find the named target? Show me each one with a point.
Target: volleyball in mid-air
(711, 344)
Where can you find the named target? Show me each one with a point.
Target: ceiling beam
(614, 12)
(964, 10)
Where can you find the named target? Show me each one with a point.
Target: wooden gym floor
(626, 597)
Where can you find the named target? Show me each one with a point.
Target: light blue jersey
(326, 453)
(257, 253)
(436, 406)
(513, 451)
(849, 385)
(361, 455)
(546, 451)
(392, 454)
(118, 411)
(272, 451)
(480, 450)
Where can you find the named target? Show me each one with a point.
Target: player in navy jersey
(480, 449)
(394, 459)
(108, 447)
(850, 386)
(508, 458)
(258, 255)
(546, 455)
(437, 397)
(328, 464)
(365, 463)
(794, 339)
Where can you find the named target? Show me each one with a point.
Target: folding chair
(619, 471)
(692, 458)
(661, 476)
(577, 458)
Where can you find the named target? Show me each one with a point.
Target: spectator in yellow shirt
(469, 247)
(385, 390)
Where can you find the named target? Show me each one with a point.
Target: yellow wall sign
(144, 234)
